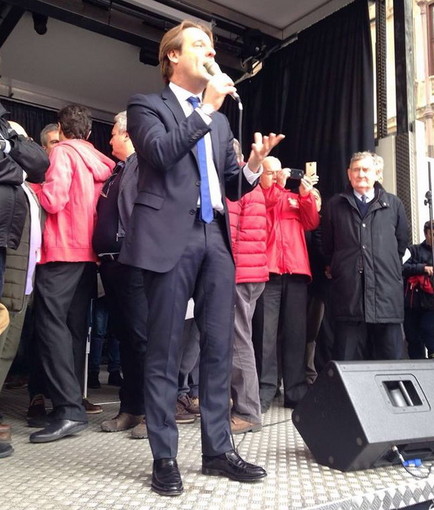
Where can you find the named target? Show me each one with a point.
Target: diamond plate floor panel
(110, 471)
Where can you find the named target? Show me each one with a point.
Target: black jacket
(25, 156)
(365, 256)
(421, 256)
(120, 209)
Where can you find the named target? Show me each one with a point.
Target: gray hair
(362, 155)
(121, 121)
(47, 129)
(378, 162)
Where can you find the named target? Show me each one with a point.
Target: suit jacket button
(197, 183)
(192, 211)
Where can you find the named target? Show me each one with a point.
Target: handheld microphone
(213, 68)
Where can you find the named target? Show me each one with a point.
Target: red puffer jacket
(249, 237)
(69, 195)
(289, 215)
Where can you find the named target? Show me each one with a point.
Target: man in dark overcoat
(365, 236)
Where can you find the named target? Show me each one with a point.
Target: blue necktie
(206, 210)
(363, 205)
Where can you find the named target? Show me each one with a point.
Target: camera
(295, 173)
(294, 177)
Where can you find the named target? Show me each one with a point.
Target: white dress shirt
(370, 195)
(182, 96)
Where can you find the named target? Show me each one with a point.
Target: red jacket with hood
(69, 195)
(289, 215)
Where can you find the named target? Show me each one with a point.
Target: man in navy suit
(178, 246)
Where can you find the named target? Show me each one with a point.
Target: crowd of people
(181, 218)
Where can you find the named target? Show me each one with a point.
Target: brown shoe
(240, 426)
(191, 404)
(15, 382)
(91, 408)
(140, 431)
(123, 421)
(5, 432)
(182, 415)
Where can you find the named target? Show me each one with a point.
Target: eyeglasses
(109, 182)
(107, 185)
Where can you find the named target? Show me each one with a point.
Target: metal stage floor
(110, 471)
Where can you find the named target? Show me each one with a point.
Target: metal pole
(86, 358)
(428, 201)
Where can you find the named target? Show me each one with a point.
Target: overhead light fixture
(149, 54)
(40, 23)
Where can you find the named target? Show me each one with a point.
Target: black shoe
(6, 450)
(93, 381)
(230, 464)
(166, 479)
(56, 430)
(115, 378)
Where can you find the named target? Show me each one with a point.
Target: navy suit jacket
(165, 207)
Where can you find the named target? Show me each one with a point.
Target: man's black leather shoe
(230, 464)
(56, 430)
(166, 478)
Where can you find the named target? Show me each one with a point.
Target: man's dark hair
(426, 227)
(75, 121)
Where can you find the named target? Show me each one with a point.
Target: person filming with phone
(291, 210)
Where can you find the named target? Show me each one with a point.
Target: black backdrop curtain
(318, 91)
(35, 118)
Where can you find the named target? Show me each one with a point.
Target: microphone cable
(240, 140)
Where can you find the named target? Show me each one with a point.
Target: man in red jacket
(66, 275)
(289, 215)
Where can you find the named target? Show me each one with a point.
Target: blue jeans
(100, 333)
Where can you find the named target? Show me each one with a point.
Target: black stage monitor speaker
(356, 412)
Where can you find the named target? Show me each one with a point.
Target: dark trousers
(102, 332)
(63, 292)
(37, 384)
(128, 309)
(362, 341)
(419, 332)
(284, 300)
(188, 379)
(205, 272)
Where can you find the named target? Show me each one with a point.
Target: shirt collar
(182, 94)
(369, 195)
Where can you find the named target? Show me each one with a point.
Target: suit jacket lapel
(215, 145)
(172, 103)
